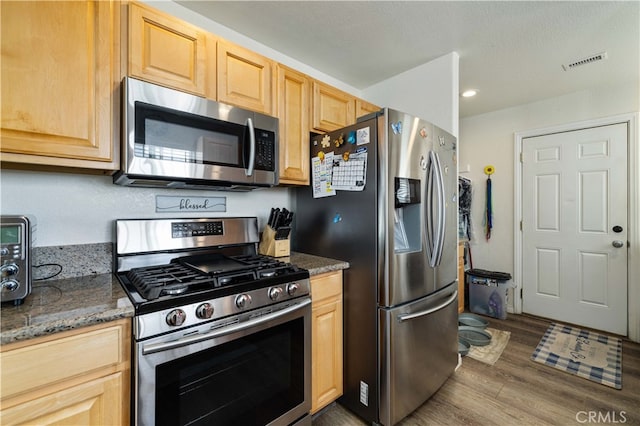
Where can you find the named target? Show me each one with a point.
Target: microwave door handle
(252, 147)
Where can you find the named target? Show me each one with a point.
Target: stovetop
(193, 278)
(184, 273)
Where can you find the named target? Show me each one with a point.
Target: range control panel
(196, 229)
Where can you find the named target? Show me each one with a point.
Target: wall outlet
(364, 393)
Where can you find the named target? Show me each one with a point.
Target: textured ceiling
(510, 51)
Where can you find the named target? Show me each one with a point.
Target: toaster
(16, 239)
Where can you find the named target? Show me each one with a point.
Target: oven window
(249, 381)
(172, 135)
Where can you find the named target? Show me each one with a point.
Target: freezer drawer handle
(428, 311)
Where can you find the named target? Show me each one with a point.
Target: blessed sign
(173, 204)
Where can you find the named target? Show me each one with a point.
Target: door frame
(633, 210)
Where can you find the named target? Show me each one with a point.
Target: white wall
(80, 209)
(429, 91)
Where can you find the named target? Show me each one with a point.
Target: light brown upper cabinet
(364, 108)
(60, 83)
(245, 78)
(332, 108)
(171, 52)
(293, 91)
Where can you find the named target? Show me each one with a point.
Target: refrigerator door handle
(441, 227)
(428, 219)
(443, 305)
(435, 216)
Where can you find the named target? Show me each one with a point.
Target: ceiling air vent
(588, 60)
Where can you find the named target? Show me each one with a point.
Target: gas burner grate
(265, 266)
(155, 281)
(260, 262)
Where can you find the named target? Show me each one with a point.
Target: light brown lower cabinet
(75, 377)
(326, 339)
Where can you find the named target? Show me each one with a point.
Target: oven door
(254, 370)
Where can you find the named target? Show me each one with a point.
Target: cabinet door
(167, 51)
(78, 376)
(293, 112)
(326, 339)
(332, 108)
(98, 402)
(364, 108)
(60, 82)
(245, 78)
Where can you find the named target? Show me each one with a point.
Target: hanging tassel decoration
(488, 219)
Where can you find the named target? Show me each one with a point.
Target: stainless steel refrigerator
(383, 198)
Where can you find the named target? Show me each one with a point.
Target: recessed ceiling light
(469, 93)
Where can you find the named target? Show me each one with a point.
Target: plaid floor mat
(584, 353)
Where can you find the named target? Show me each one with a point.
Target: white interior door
(574, 240)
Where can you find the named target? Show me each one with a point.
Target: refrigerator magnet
(362, 136)
(351, 138)
(326, 141)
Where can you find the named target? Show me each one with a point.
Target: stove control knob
(204, 311)
(176, 317)
(243, 300)
(275, 293)
(292, 288)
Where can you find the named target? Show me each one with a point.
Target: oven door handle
(159, 347)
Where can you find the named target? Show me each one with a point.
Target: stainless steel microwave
(173, 139)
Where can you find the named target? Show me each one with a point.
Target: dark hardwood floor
(519, 391)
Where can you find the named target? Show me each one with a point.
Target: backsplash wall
(74, 209)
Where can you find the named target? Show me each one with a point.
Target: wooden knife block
(271, 247)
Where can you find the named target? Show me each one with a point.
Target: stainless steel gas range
(221, 334)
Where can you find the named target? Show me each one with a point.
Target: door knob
(617, 243)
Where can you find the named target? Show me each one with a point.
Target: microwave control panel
(265, 150)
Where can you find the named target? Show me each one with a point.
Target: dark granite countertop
(315, 264)
(66, 304)
(70, 303)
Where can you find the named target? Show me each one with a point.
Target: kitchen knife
(282, 233)
(288, 219)
(270, 221)
(276, 219)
